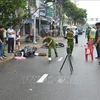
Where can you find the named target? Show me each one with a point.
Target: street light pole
(29, 17)
(55, 9)
(34, 29)
(60, 17)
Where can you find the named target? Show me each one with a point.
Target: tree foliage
(78, 15)
(8, 8)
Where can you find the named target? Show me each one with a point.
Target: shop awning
(43, 18)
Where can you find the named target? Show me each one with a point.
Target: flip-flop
(1, 58)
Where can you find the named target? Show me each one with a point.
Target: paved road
(37, 79)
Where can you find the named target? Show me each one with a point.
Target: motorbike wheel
(60, 45)
(18, 53)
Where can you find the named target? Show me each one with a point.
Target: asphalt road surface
(37, 79)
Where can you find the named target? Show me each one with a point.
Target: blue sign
(42, 1)
(42, 11)
(31, 21)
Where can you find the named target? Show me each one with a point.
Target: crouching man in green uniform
(70, 40)
(51, 44)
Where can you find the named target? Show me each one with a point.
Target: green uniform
(70, 42)
(97, 39)
(88, 34)
(52, 45)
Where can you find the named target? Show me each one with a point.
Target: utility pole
(55, 14)
(34, 29)
(29, 10)
(32, 25)
(60, 1)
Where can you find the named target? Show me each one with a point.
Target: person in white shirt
(76, 36)
(11, 37)
(92, 34)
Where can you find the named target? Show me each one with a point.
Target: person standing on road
(88, 33)
(51, 44)
(76, 35)
(92, 33)
(70, 40)
(11, 37)
(1, 43)
(5, 37)
(97, 40)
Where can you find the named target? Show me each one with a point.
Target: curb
(10, 57)
(7, 59)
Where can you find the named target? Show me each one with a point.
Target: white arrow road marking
(42, 78)
(60, 59)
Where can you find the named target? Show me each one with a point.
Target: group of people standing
(90, 33)
(6, 34)
(94, 34)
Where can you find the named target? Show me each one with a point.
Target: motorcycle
(58, 45)
(26, 51)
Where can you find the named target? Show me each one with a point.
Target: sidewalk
(10, 56)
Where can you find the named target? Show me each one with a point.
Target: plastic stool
(90, 43)
(89, 51)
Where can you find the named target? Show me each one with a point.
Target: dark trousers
(98, 50)
(10, 45)
(76, 38)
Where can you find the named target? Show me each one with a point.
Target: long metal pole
(63, 63)
(29, 8)
(34, 29)
(60, 17)
(39, 22)
(61, 23)
(55, 10)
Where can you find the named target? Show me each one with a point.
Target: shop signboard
(49, 12)
(42, 11)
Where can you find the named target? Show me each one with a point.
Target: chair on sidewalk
(89, 50)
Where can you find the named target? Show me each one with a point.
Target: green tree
(8, 10)
(80, 16)
(77, 15)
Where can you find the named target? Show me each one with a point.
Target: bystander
(11, 37)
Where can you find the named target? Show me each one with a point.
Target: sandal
(4, 57)
(1, 58)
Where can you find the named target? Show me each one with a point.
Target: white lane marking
(42, 78)
(60, 59)
(30, 89)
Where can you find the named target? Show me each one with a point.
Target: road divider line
(60, 59)
(42, 78)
